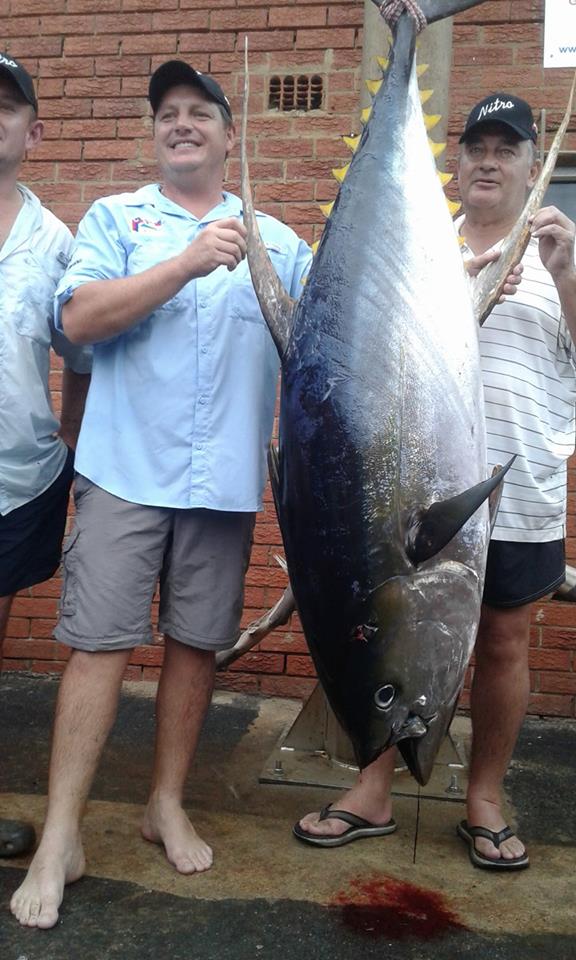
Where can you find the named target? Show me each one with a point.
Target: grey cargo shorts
(118, 551)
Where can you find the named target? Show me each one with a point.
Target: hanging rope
(392, 10)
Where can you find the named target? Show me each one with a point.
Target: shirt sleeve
(565, 349)
(98, 254)
(302, 263)
(76, 358)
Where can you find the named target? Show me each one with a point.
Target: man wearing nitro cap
(528, 366)
(171, 464)
(35, 450)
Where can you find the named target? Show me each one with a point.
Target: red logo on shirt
(140, 223)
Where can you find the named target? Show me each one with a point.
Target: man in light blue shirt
(171, 464)
(35, 449)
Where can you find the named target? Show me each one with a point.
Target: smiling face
(495, 171)
(190, 134)
(20, 130)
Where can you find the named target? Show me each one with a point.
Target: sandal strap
(327, 813)
(494, 836)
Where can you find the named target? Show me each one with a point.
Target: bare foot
(486, 813)
(166, 823)
(360, 801)
(56, 863)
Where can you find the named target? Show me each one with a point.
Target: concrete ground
(411, 896)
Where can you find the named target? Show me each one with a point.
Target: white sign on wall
(560, 33)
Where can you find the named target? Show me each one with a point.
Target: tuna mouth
(419, 749)
(413, 727)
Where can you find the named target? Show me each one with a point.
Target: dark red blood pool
(380, 906)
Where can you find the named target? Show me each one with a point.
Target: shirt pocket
(244, 302)
(148, 253)
(34, 300)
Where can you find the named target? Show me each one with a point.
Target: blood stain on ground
(380, 906)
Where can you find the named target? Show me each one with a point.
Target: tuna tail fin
(439, 9)
(430, 530)
(276, 305)
(490, 281)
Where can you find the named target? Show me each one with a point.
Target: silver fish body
(382, 415)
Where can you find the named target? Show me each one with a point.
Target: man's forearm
(102, 309)
(74, 390)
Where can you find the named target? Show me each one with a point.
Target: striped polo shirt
(529, 375)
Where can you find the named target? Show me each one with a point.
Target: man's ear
(534, 173)
(35, 134)
(230, 139)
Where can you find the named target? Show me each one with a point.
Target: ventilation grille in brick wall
(295, 93)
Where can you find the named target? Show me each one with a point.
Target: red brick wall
(93, 58)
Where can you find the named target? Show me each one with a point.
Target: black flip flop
(358, 829)
(469, 834)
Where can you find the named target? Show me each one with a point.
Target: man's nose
(184, 123)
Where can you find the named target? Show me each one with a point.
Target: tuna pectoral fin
(495, 497)
(276, 305)
(274, 473)
(430, 530)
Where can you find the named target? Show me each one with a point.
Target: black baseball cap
(174, 72)
(503, 108)
(10, 67)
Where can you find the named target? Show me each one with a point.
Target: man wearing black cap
(35, 460)
(171, 464)
(528, 363)
(528, 360)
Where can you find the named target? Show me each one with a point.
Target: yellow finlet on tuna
(436, 148)
(340, 172)
(326, 208)
(352, 142)
(425, 96)
(365, 115)
(431, 120)
(373, 86)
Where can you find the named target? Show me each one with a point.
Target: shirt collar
(27, 220)
(229, 207)
(495, 246)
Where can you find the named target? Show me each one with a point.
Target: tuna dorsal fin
(430, 530)
(490, 281)
(276, 305)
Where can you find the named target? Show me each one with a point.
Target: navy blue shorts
(519, 573)
(31, 536)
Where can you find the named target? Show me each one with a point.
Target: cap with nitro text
(503, 108)
(174, 72)
(10, 67)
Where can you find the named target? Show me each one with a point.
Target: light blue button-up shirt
(32, 261)
(180, 407)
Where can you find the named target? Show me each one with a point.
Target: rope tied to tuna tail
(392, 10)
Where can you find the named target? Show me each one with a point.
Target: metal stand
(315, 752)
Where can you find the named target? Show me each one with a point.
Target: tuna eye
(385, 696)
